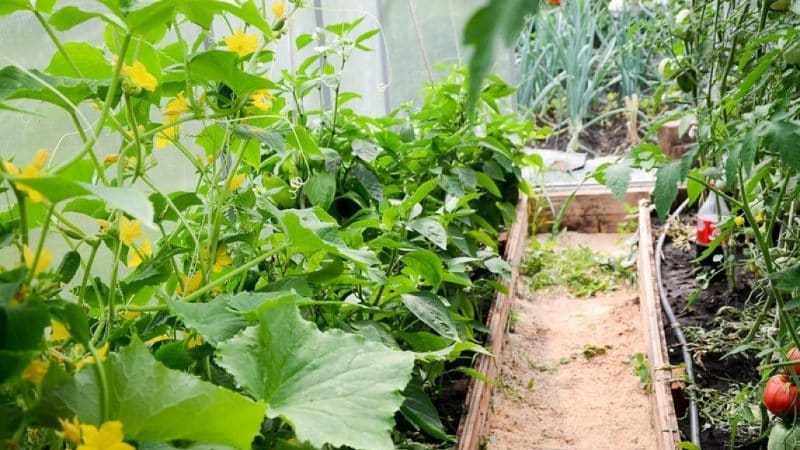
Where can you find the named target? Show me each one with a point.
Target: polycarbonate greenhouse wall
(418, 37)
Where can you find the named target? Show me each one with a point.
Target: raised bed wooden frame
(664, 419)
(477, 405)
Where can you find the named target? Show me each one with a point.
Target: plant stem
(234, 273)
(112, 285)
(40, 245)
(58, 44)
(104, 113)
(136, 140)
(87, 272)
(763, 245)
(105, 399)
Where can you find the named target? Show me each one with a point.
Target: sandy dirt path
(555, 396)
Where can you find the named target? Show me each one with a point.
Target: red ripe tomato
(554, 2)
(780, 396)
(794, 355)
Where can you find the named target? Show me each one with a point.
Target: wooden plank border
(476, 407)
(663, 417)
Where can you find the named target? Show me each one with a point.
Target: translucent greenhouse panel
(436, 43)
(408, 53)
(23, 42)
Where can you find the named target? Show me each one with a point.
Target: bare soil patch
(567, 379)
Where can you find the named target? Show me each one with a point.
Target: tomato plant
(780, 396)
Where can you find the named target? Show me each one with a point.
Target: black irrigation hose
(694, 420)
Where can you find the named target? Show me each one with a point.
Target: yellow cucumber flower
(29, 255)
(33, 170)
(129, 230)
(261, 99)
(195, 341)
(131, 315)
(71, 430)
(35, 371)
(110, 159)
(222, 259)
(167, 135)
(759, 217)
(236, 182)
(177, 106)
(58, 332)
(101, 353)
(278, 8)
(135, 254)
(140, 77)
(242, 44)
(190, 284)
(108, 437)
(738, 221)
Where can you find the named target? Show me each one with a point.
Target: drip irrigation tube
(694, 421)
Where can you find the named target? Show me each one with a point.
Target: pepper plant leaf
(331, 387)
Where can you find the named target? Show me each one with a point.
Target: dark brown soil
(606, 137)
(711, 370)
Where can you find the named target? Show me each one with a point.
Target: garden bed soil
(604, 138)
(552, 393)
(712, 371)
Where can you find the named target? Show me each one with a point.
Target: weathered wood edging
(664, 419)
(476, 407)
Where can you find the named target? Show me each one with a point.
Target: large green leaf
(213, 320)
(426, 264)
(617, 178)
(69, 17)
(320, 189)
(667, 178)
(499, 21)
(56, 189)
(787, 279)
(784, 438)
(420, 411)
(89, 60)
(310, 234)
(155, 403)
(10, 6)
(332, 388)
(431, 230)
(781, 137)
(431, 311)
(222, 66)
(21, 336)
(16, 83)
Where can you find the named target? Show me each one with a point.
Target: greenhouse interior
(399, 224)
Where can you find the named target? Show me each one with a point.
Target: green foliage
(310, 378)
(158, 404)
(580, 271)
(498, 22)
(328, 271)
(783, 437)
